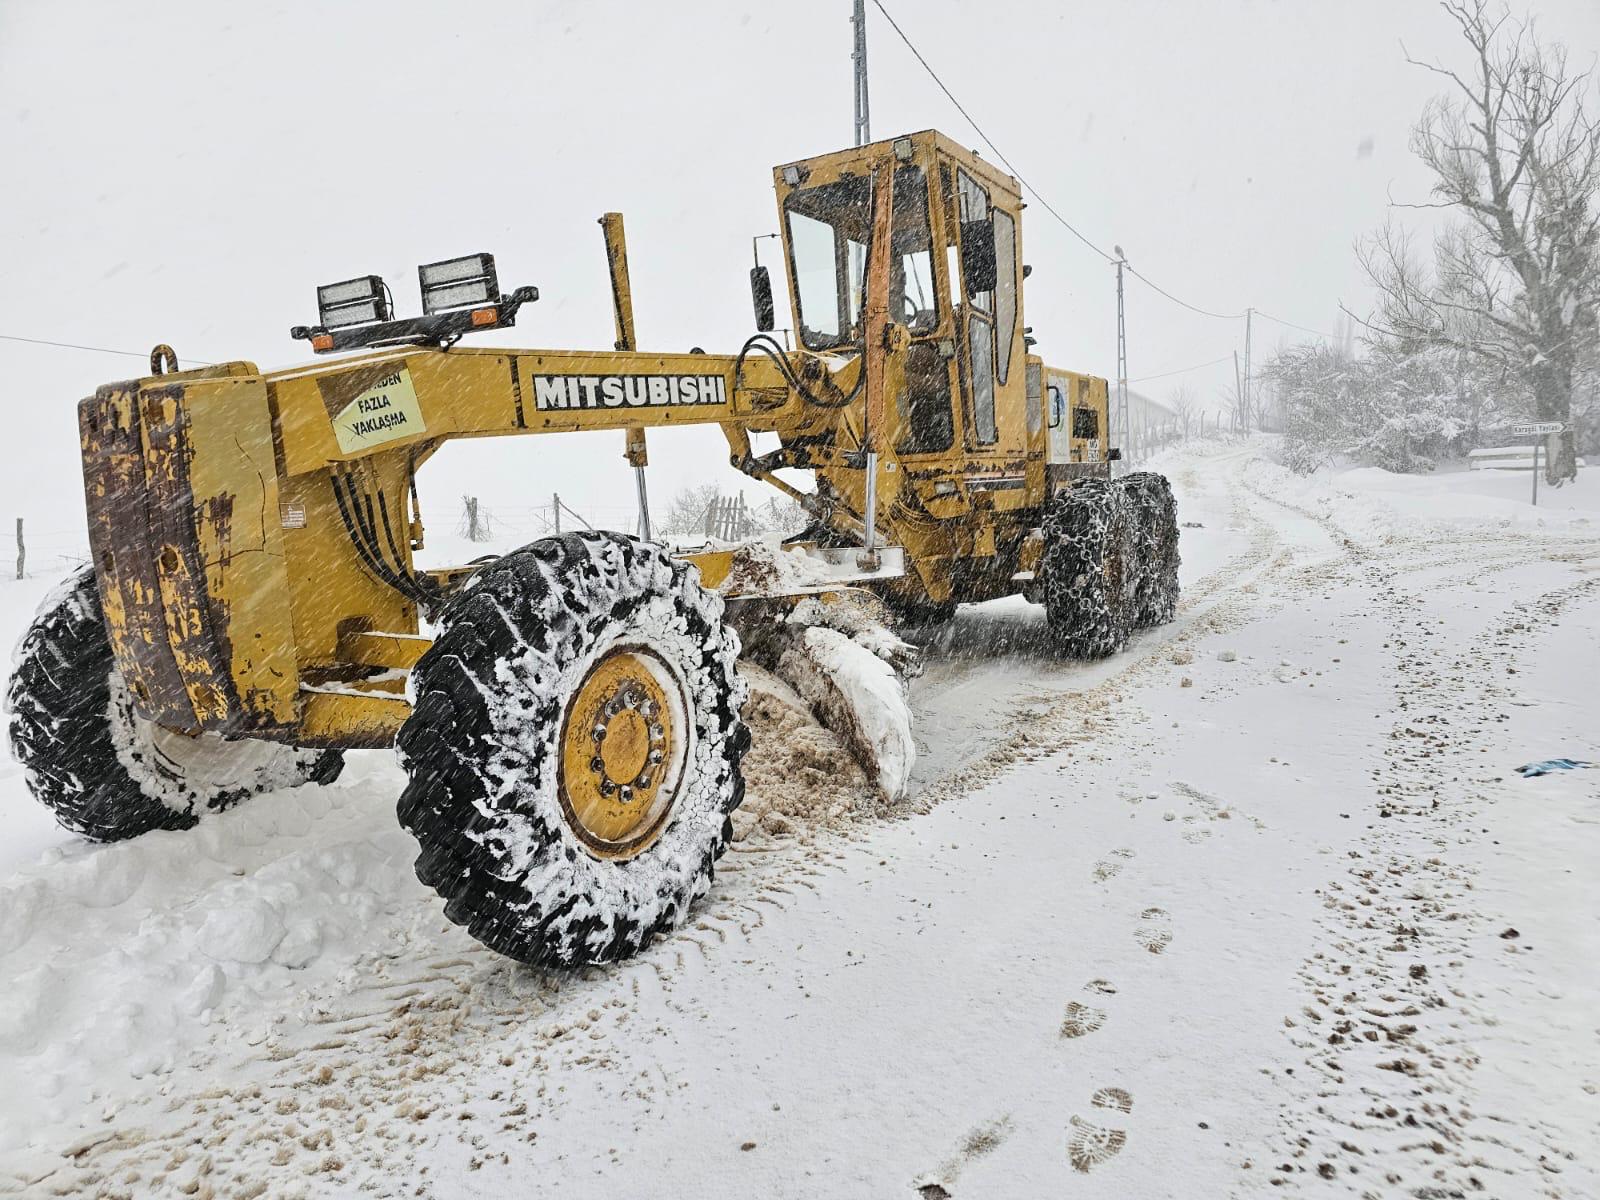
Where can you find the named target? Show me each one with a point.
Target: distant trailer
(1503, 458)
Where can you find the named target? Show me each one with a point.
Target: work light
(459, 296)
(458, 283)
(353, 302)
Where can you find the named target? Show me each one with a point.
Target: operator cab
(955, 270)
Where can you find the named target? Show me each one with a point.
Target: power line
(1292, 325)
(1183, 370)
(1204, 312)
(988, 141)
(1037, 195)
(11, 337)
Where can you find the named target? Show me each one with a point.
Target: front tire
(104, 770)
(573, 749)
(1090, 569)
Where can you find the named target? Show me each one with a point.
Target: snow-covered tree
(1320, 390)
(1398, 407)
(1514, 149)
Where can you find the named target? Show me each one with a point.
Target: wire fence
(1161, 435)
(46, 548)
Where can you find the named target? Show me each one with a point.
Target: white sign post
(1538, 431)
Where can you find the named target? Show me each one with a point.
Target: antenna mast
(858, 60)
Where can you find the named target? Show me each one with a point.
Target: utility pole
(1122, 420)
(1249, 320)
(858, 60)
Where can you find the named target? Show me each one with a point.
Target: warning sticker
(372, 406)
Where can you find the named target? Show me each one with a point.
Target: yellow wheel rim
(624, 740)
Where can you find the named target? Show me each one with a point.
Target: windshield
(829, 227)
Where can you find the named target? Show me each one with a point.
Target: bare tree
(1513, 148)
(1182, 405)
(686, 514)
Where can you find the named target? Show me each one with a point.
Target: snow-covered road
(1258, 905)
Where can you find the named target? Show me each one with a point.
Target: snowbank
(1370, 505)
(123, 959)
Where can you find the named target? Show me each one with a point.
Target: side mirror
(978, 272)
(1114, 454)
(761, 298)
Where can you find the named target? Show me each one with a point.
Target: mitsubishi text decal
(552, 392)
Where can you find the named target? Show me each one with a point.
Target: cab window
(830, 227)
(911, 295)
(972, 203)
(1005, 295)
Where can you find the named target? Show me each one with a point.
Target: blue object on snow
(1529, 770)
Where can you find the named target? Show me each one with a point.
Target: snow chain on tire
(1110, 562)
(1090, 546)
(1156, 593)
(106, 772)
(494, 723)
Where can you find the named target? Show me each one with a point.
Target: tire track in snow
(1388, 1030)
(1221, 600)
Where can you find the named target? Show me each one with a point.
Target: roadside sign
(1536, 430)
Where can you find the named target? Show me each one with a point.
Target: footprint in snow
(1090, 1145)
(1107, 867)
(1154, 933)
(980, 1140)
(1079, 1018)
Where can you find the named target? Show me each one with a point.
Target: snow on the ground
(1371, 503)
(1258, 905)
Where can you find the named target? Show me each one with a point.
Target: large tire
(499, 786)
(1156, 515)
(105, 771)
(1090, 568)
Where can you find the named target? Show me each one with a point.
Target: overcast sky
(188, 172)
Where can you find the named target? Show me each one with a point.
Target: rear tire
(586, 632)
(105, 771)
(1090, 569)
(1156, 514)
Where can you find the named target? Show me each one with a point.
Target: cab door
(993, 366)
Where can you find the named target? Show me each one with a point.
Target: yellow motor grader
(570, 723)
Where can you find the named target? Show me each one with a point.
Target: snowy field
(1259, 905)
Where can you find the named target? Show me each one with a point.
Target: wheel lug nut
(655, 757)
(596, 765)
(642, 783)
(599, 733)
(625, 794)
(607, 788)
